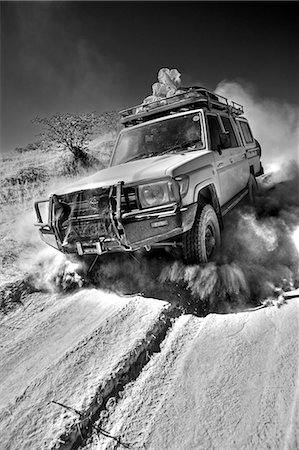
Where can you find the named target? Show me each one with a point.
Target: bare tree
(73, 131)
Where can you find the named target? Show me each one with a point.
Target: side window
(237, 123)
(228, 127)
(214, 130)
(246, 132)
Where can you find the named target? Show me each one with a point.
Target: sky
(98, 56)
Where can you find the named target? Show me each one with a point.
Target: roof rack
(190, 98)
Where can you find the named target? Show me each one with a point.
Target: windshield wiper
(142, 155)
(181, 145)
(191, 143)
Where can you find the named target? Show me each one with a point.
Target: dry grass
(28, 175)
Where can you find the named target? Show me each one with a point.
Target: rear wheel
(202, 240)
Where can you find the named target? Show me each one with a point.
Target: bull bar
(124, 226)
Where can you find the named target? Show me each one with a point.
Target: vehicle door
(222, 157)
(251, 146)
(239, 169)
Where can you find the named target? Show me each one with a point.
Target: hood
(132, 172)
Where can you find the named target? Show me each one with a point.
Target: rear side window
(214, 130)
(246, 132)
(228, 127)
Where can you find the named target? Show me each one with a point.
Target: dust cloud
(275, 124)
(258, 259)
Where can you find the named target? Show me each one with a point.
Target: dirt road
(66, 348)
(223, 382)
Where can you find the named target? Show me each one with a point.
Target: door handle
(219, 164)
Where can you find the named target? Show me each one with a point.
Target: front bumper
(129, 231)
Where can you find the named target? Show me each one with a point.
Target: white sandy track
(62, 348)
(226, 382)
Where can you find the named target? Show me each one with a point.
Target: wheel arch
(208, 195)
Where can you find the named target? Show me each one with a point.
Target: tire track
(113, 387)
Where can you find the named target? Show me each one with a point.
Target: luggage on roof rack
(187, 98)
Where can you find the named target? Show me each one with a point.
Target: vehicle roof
(187, 99)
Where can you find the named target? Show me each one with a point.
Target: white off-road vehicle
(178, 166)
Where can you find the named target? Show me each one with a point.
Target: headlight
(156, 194)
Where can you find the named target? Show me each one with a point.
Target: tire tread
(191, 244)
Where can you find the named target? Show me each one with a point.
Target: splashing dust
(52, 271)
(257, 258)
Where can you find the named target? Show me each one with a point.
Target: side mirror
(224, 139)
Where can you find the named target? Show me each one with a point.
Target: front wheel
(202, 240)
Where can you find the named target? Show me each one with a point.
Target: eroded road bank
(73, 349)
(223, 382)
(129, 366)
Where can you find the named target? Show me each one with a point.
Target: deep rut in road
(111, 388)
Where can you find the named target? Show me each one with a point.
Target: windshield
(174, 134)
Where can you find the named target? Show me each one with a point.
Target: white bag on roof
(168, 83)
(170, 78)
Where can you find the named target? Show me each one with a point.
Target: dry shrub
(30, 174)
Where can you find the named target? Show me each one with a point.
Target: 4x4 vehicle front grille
(91, 214)
(95, 202)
